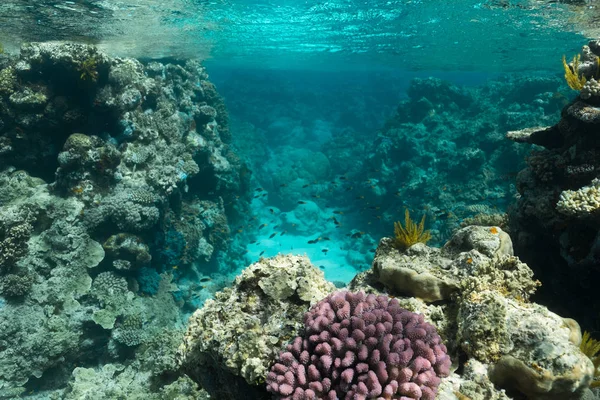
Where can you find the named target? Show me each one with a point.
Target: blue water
(342, 114)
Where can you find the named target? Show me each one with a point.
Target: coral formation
(239, 333)
(378, 345)
(359, 346)
(97, 156)
(555, 224)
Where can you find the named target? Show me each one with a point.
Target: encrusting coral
(359, 346)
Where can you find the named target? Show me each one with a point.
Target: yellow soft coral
(574, 80)
(591, 347)
(410, 233)
(88, 69)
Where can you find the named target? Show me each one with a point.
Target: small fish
(316, 196)
(326, 238)
(338, 212)
(321, 266)
(360, 197)
(301, 202)
(343, 177)
(312, 241)
(283, 185)
(335, 221)
(305, 186)
(272, 235)
(262, 226)
(240, 230)
(356, 235)
(261, 253)
(272, 211)
(282, 233)
(265, 194)
(259, 189)
(257, 196)
(374, 207)
(372, 250)
(253, 242)
(349, 188)
(442, 215)
(205, 279)
(174, 267)
(325, 251)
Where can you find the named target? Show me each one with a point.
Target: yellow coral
(410, 233)
(591, 347)
(574, 80)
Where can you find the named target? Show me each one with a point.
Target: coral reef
(361, 346)
(555, 223)
(473, 292)
(491, 321)
(434, 274)
(99, 155)
(245, 325)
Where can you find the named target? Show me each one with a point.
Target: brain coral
(359, 346)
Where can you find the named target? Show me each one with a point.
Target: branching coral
(574, 79)
(410, 233)
(359, 346)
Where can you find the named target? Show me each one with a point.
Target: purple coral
(359, 346)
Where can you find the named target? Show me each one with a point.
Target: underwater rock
(472, 384)
(491, 241)
(555, 224)
(232, 340)
(412, 273)
(529, 348)
(434, 274)
(487, 314)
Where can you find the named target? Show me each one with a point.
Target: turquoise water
(132, 192)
